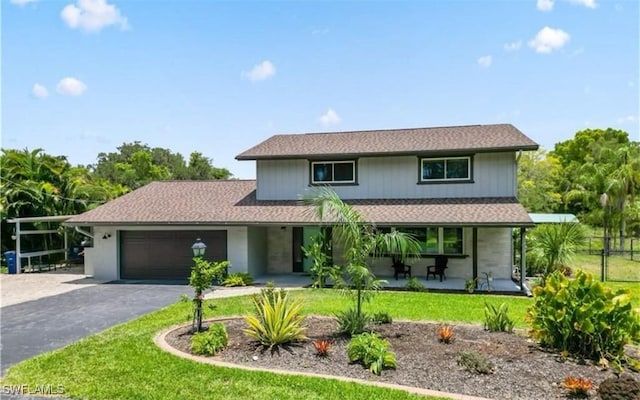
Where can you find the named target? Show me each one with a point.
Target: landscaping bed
(522, 369)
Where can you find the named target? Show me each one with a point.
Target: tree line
(594, 175)
(34, 183)
(570, 178)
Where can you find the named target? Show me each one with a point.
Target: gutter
(77, 228)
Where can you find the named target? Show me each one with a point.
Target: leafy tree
(539, 177)
(37, 184)
(136, 164)
(203, 274)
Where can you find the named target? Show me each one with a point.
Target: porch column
(523, 257)
(18, 250)
(474, 257)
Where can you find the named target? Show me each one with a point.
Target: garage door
(166, 254)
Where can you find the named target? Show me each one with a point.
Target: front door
(302, 237)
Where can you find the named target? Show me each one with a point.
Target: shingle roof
(234, 203)
(471, 138)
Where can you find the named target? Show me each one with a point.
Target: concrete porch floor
(450, 284)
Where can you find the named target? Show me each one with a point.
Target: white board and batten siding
(494, 175)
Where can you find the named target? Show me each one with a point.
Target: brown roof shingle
(234, 203)
(471, 138)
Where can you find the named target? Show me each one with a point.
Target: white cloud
(71, 87)
(22, 2)
(93, 15)
(485, 61)
(513, 46)
(262, 71)
(39, 92)
(586, 3)
(320, 31)
(330, 118)
(627, 119)
(544, 5)
(549, 39)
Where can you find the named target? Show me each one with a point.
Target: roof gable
(452, 139)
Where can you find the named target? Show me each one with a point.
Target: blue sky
(81, 77)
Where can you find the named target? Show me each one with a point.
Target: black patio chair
(439, 267)
(400, 268)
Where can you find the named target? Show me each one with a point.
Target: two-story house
(453, 188)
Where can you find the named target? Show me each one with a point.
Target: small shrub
(277, 321)
(351, 323)
(211, 341)
(446, 334)
(322, 347)
(414, 285)
(238, 279)
(372, 351)
(582, 317)
(577, 387)
(497, 319)
(473, 361)
(268, 293)
(623, 387)
(381, 317)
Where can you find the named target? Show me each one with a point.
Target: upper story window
(445, 169)
(333, 172)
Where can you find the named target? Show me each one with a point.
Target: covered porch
(498, 286)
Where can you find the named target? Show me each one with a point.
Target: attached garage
(166, 254)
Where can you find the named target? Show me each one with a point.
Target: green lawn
(620, 269)
(123, 363)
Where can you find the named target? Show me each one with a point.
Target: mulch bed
(522, 369)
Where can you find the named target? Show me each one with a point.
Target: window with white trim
(445, 169)
(333, 172)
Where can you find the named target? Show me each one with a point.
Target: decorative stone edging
(160, 341)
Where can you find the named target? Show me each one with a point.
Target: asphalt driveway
(34, 327)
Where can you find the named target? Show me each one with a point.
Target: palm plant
(360, 240)
(556, 244)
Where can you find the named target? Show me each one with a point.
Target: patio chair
(400, 268)
(439, 267)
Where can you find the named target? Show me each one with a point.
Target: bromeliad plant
(582, 317)
(577, 387)
(277, 320)
(203, 274)
(446, 334)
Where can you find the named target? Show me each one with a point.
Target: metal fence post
(602, 264)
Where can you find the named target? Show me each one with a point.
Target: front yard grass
(124, 363)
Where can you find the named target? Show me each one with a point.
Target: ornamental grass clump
(277, 320)
(496, 319)
(583, 318)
